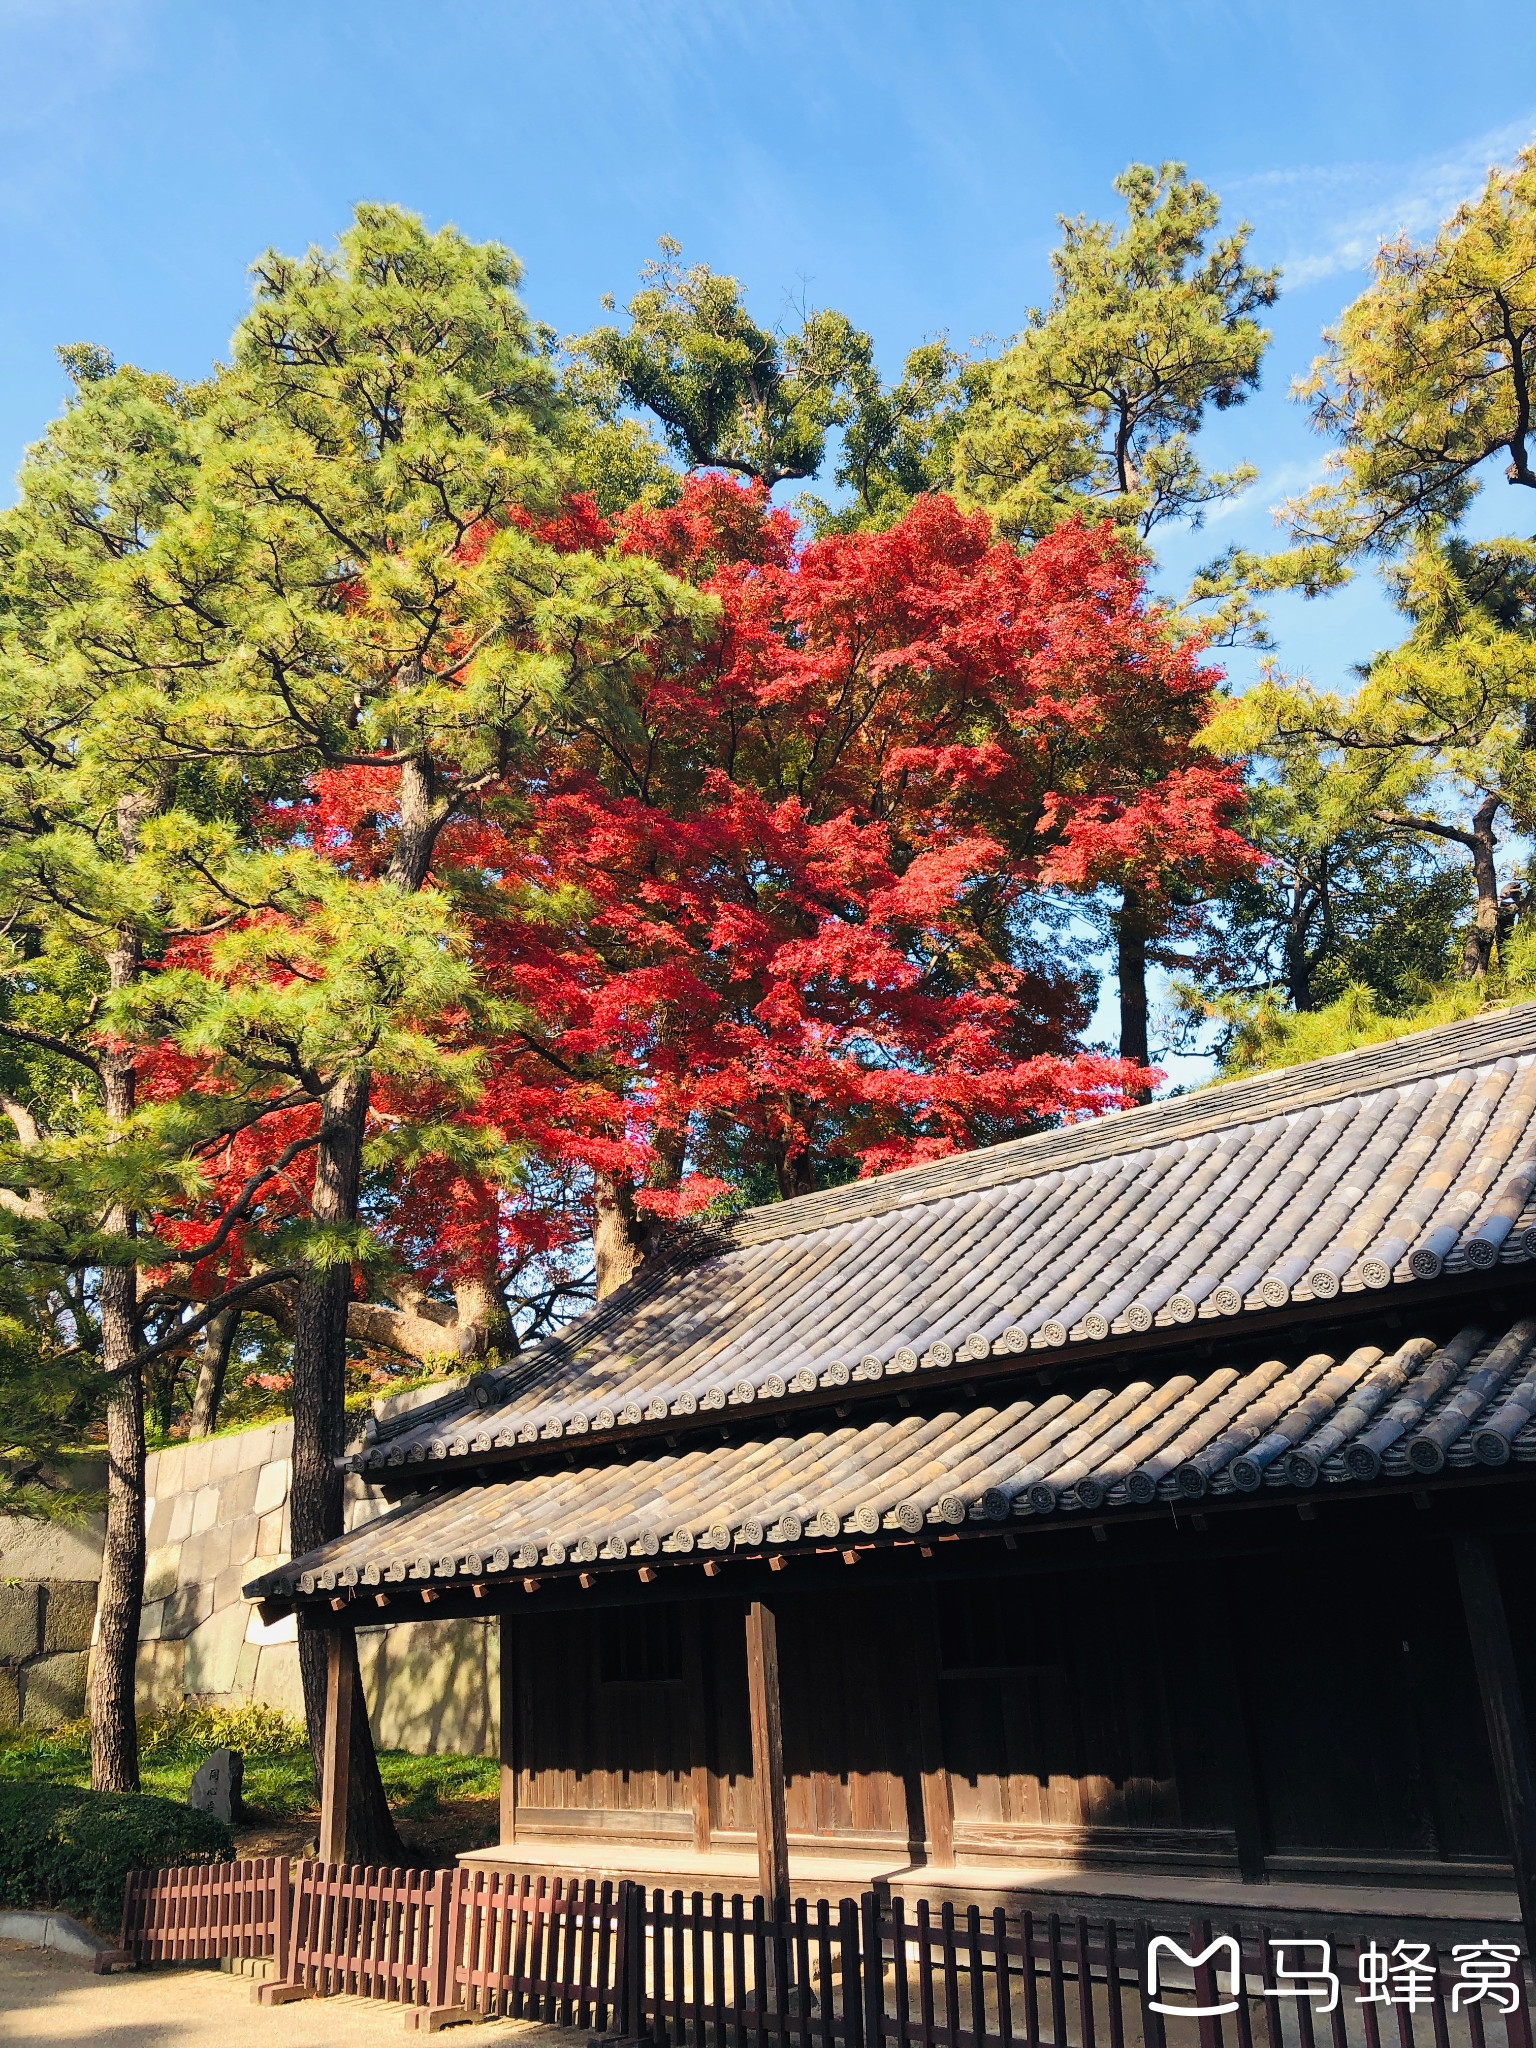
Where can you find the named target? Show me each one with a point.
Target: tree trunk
(1483, 932)
(218, 1342)
(114, 1734)
(618, 1236)
(316, 1498)
(795, 1173)
(1131, 970)
(483, 1324)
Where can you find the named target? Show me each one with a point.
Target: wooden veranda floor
(1175, 1896)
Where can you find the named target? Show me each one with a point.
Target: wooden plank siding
(1125, 1716)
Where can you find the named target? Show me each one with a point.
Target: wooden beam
(767, 1756)
(700, 1786)
(506, 1723)
(336, 1750)
(1509, 1738)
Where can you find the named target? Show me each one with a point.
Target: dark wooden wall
(1267, 1716)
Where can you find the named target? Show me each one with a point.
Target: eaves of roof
(1415, 1411)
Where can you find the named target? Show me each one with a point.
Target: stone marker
(216, 1787)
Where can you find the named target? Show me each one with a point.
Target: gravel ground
(52, 1999)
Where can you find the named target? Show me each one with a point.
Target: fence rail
(690, 1970)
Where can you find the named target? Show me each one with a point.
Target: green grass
(279, 1777)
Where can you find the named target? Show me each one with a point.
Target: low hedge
(60, 1846)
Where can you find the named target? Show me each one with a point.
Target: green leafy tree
(327, 576)
(1428, 377)
(1095, 405)
(728, 393)
(1435, 744)
(1338, 902)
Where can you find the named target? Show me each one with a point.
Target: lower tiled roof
(1411, 1413)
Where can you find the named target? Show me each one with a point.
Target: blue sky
(903, 162)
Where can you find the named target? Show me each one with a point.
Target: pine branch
(51, 1044)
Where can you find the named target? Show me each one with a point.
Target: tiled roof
(1420, 1410)
(1379, 1168)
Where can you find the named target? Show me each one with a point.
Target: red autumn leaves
(782, 897)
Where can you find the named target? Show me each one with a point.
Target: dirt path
(54, 2001)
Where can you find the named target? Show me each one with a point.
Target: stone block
(157, 1523)
(237, 1495)
(199, 1457)
(264, 1632)
(430, 1687)
(242, 1539)
(271, 1487)
(215, 1551)
(168, 1473)
(282, 1438)
(50, 1550)
(184, 1610)
(278, 1683)
(205, 1509)
(213, 1651)
(255, 1447)
(269, 1536)
(10, 1700)
(189, 1567)
(157, 1677)
(245, 1668)
(181, 1518)
(69, 1615)
(53, 1690)
(225, 1459)
(160, 1571)
(150, 1617)
(229, 1587)
(20, 1622)
(152, 1473)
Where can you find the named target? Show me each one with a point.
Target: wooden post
(767, 1756)
(506, 1724)
(1504, 1711)
(698, 1727)
(933, 1771)
(336, 1752)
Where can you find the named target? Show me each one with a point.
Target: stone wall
(217, 1515)
(48, 1575)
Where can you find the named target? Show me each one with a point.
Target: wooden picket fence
(539, 1948)
(373, 1933)
(948, 1981)
(690, 1970)
(721, 1973)
(197, 1912)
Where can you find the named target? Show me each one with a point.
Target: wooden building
(1152, 1495)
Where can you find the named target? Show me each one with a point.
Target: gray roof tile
(1410, 1414)
(1375, 1169)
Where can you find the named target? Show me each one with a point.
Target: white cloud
(1332, 218)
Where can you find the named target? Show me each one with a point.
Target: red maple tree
(760, 908)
